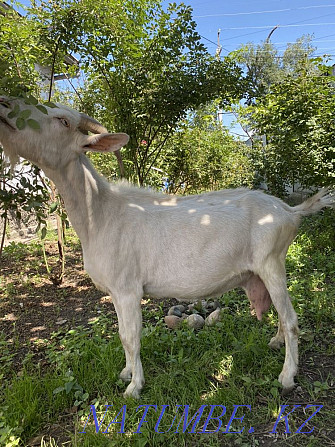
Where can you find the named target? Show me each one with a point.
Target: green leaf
(43, 233)
(14, 113)
(51, 105)
(20, 123)
(11, 114)
(33, 124)
(25, 114)
(31, 100)
(53, 207)
(68, 387)
(58, 390)
(42, 109)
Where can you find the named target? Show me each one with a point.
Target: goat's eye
(64, 122)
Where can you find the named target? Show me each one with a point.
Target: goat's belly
(194, 289)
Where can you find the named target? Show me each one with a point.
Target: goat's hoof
(125, 375)
(275, 343)
(286, 391)
(132, 391)
(287, 384)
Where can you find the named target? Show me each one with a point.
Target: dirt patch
(37, 307)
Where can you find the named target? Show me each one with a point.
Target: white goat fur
(135, 241)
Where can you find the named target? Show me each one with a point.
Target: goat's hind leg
(274, 278)
(279, 339)
(129, 314)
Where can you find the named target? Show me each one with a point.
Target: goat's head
(62, 134)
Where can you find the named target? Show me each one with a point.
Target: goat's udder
(258, 295)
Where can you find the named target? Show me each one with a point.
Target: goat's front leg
(128, 309)
(126, 373)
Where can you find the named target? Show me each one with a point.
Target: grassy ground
(60, 353)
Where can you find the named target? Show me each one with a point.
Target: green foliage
(202, 156)
(263, 66)
(145, 69)
(22, 191)
(19, 55)
(71, 385)
(290, 101)
(9, 436)
(297, 119)
(22, 61)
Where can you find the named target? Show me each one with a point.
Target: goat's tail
(314, 204)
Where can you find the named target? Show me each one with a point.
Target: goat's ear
(106, 142)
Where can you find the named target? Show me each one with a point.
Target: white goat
(137, 242)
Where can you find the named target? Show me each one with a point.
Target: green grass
(229, 364)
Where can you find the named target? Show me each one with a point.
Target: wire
(280, 26)
(324, 37)
(261, 29)
(255, 32)
(263, 12)
(203, 37)
(312, 41)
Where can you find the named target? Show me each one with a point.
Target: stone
(213, 317)
(172, 321)
(195, 321)
(181, 307)
(174, 310)
(212, 305)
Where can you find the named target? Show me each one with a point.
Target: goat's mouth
(6, 123)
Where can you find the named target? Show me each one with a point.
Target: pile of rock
(196, 315)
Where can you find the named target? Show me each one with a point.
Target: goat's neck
(85, 195)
